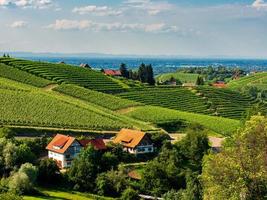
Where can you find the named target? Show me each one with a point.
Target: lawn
(54, 194)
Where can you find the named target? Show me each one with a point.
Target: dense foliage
(240, 170)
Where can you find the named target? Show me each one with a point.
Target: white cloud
(38, 4)
(151, 7)
(97, 10)
(18, 24)
(259, 4)
(65, 24)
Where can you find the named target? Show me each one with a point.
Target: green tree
(10, 196)
(150, 75)
(124, 71)
(7, 133)
(200, 81)
(240, 170)
(48, 172)
(130, 194)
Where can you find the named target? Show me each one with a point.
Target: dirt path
(49, 87)
(127, 110)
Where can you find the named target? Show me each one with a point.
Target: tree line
(144, 73)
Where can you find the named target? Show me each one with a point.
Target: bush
(129, 194)
(23, 181)
(10, 196)
(48, 172)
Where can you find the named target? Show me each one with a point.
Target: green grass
(56, 194)
(257, 80)
(156, 115)
(62, 73)
(105, 100)
(21, 76)
(177, 98)
(183, 77)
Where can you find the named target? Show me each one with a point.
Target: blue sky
(146, 27)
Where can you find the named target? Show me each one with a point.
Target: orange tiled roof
(112, 72)
(129, 138)
(60, 143)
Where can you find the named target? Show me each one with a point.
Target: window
(67, 156)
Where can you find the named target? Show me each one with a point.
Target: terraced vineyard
(183, 77)
(258, 80)
(21, 76)
(157, 115)
(62, 73)
(227, 103)
(105, 100)
(177, 98)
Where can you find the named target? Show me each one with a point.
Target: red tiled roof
(98, 144)
(219, 85)
(112, 72)
(61, 142)
(129, 138)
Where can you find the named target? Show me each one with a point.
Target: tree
(84, 169)
(124, 71)
(174, 195)
(23, 180)
(130, 194)
(10, 196)
(112, 183)
(48, 172)
(150, 75)
(200, 81)
(7, 133)
(240, 170)
(142, 73)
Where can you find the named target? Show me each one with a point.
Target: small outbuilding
(85, 65)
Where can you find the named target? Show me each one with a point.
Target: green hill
(63, 73)
(157, 115)
(183, 77)
(258, 80)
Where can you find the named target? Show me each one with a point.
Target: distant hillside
(258, 80)
(183, 77)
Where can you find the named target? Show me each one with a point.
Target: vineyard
(183, 77)
(62, 73)
(157, 115)
(105, 100)
(177, 98)
(258, 80)
(226, 103)
(21, 76)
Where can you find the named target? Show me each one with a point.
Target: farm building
(111, 72)
(219, 84)
(134, 142)
(63, 149)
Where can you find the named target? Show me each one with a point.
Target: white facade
(140, 149)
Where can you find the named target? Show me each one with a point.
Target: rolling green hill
(157, 115)
(258, 80)
(62, 73)
(183, 77)
(177, 98)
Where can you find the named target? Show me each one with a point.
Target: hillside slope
(183, 77)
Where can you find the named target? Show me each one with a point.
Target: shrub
(129, 194)
(48, 172)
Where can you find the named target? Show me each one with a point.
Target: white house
(63, 149)
(135, 142)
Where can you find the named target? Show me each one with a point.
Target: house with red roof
(63, 148)
(134, 142)
(111, 72)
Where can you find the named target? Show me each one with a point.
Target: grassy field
(223, 126)
(183, 77)
(53, 194)
(258, 80)
(105, 100)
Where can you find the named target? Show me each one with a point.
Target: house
(63, 149)
(219, 84)
(85, 66)
(134, 142)
(216, 144)
(111, 72)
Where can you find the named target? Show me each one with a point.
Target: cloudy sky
(146, 27)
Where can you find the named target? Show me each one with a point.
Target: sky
(201, 28)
